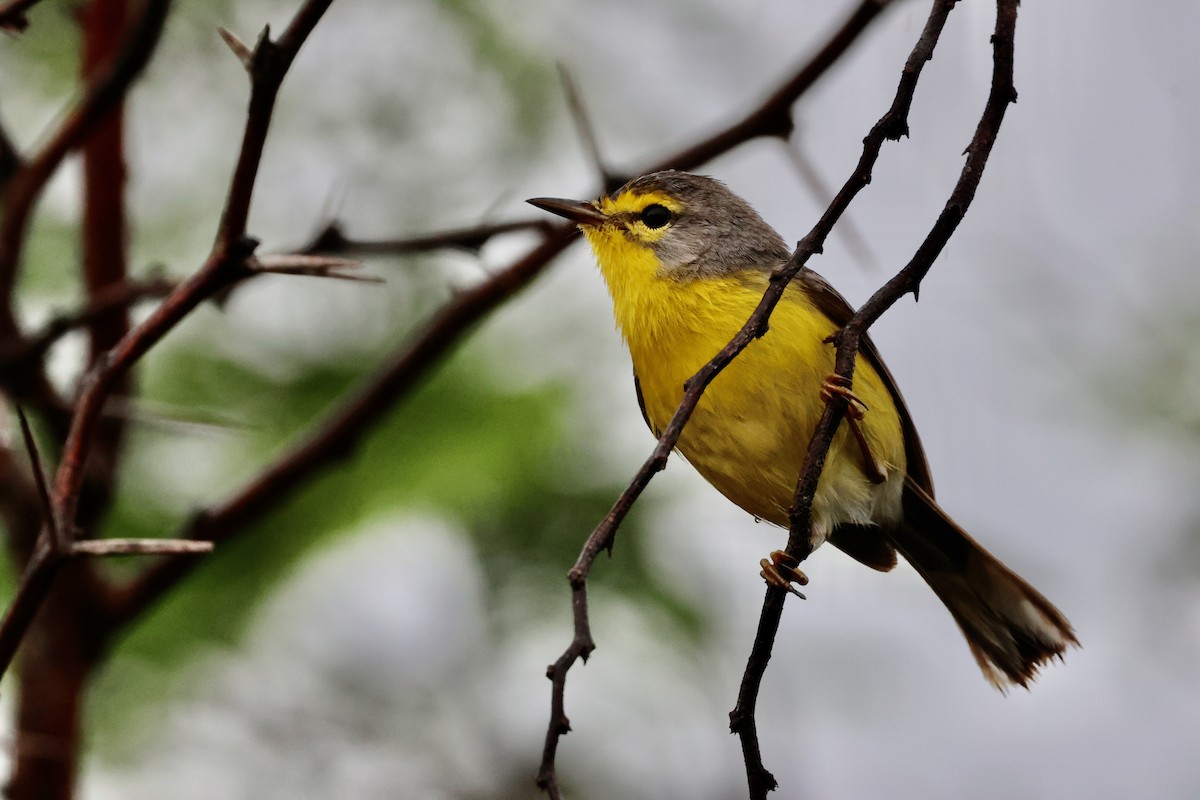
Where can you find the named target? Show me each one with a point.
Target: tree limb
(100, 96)
(226, 265)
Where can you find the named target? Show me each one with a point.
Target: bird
(686, 262)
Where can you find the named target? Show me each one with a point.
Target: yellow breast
(749, 433)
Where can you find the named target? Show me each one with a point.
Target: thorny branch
(53, 548)
(229, 262)
(331, 240)
(772, 118)
(13, 15)
(339, 434)
(25, 186)
(848, 339)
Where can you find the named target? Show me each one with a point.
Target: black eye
(655, 216)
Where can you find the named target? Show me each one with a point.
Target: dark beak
(575, 210)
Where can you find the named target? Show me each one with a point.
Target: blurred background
(386, 635)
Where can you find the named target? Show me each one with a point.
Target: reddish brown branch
(13, 15)
(339, 435)
(332, 240)
(119, 296)
(772, 118)
(100, 96)
(226, 265)
(104, 173)
(10, 159)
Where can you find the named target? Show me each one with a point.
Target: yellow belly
(750, 431)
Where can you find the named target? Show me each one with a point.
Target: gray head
(693, 223)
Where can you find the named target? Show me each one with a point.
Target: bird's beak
(575, 210)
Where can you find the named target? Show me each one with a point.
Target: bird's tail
(1011, 629)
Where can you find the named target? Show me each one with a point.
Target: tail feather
(1010, 627)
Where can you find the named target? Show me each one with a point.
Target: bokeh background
(385, 636)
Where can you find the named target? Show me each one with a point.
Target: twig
(312, 266)
(226, 264)
(339, 434)
(13, 15)
(59, 537)
(140, 547)
(772, 118)
(10, 159)
(331, 240)
(99, 97)
(848, 340)
(121, 295)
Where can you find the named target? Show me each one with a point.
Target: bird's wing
(834, 306)
(637, 387)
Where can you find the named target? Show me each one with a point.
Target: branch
(332, 241)
(53, 548)
(101, 95)
(10, 159)
(140, 547)
(848, 340)
(226, 265)
(340, 433)
(117, 296)
(13, 17)
(772, 118)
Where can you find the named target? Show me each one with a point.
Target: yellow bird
(686, 261)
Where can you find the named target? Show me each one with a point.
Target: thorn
(331, 239)
(132, 547)
(239, 48)
(313, 266)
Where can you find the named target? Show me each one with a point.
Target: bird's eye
(655, 216)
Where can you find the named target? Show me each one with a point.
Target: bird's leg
(835, 384)
(855, 410)
(782, 570)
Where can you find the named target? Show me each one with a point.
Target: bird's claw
(837, 385)
(855, 410)
(782, 570)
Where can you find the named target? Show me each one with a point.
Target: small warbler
(687, 261)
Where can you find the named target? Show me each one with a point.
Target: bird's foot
(782, 570)
(855, 410)
(837, 385)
